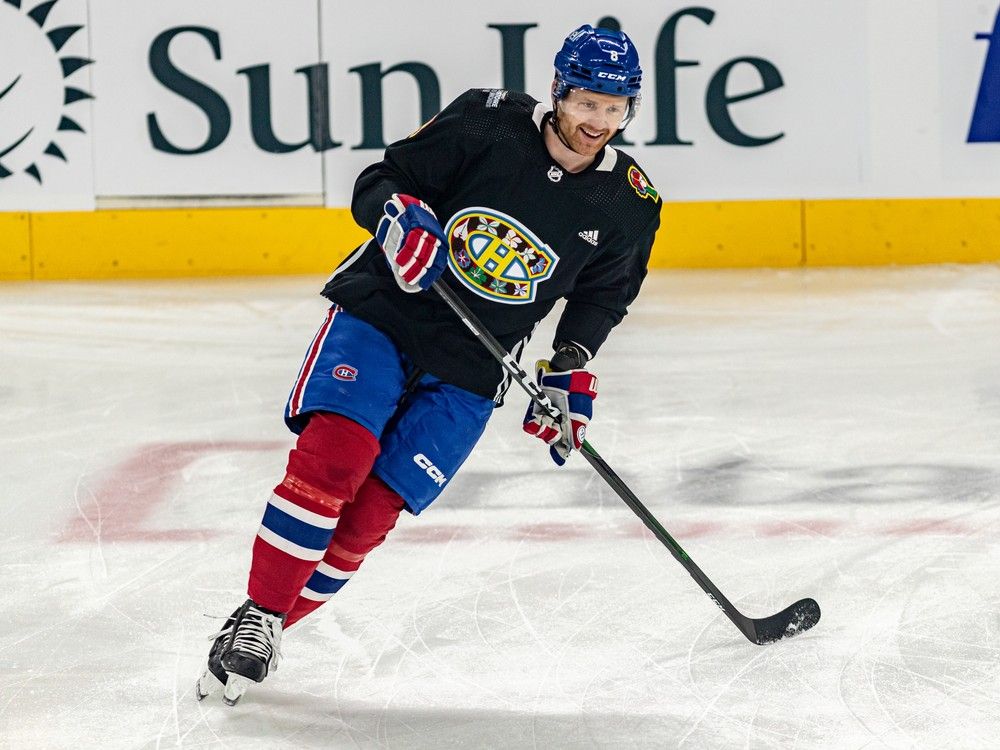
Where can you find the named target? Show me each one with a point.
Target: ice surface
(827, 433)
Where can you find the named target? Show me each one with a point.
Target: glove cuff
(578, 381)
(569, 355)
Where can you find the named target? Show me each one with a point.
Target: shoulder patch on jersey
(640, 183)
(495, 96)
(497, 257)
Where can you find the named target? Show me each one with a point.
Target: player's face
(588, 119)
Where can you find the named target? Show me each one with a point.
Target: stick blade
(791, 621)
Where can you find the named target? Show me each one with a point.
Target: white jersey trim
(609, 160)
(539, 115)
(350, 260)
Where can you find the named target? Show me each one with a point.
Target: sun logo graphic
(497, 257)
(36, 96)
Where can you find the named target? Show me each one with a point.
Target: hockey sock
(331, 459)
(363, 525)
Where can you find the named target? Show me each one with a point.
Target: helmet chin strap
(554, 123)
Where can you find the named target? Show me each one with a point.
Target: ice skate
(251, 650)
(214, 677)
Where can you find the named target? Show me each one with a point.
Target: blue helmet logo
(598, 60)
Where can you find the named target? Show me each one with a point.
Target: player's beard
(572, 137)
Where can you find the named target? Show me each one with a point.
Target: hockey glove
(572, 392)
(412, 240)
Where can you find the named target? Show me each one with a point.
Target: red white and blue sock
(363, 525)
(331, 459)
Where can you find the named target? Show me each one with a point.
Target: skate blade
(236, 685)
(207, 684)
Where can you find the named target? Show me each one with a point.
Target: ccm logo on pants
(432, 471)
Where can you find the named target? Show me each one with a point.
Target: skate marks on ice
(129, 495)
(529, 650)
(929, 666)
(807, 433)
(134, 498)
(599, 643)
(571, 627)
(544, 645)
(130, 500)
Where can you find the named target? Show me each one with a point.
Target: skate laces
(226, 629)
(258, 634)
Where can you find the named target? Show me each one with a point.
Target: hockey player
(522, 206)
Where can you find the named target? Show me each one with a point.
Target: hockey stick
(790, 621)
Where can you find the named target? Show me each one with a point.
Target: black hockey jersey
(523, 234)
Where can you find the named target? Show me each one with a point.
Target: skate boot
(252, 650)
(214, 677)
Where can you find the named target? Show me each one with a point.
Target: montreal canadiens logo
(345, 372)
(497, 257)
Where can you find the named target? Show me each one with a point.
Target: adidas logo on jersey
(589, 236)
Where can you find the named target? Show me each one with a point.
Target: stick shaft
(601, 466)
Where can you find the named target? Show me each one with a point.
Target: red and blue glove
(412, 241)
(572, 392)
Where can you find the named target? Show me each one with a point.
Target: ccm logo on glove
(411, 239)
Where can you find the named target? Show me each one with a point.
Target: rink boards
(152, 243)
(198, 139)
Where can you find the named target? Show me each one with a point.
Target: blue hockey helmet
(598, 60)
(602, 60)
